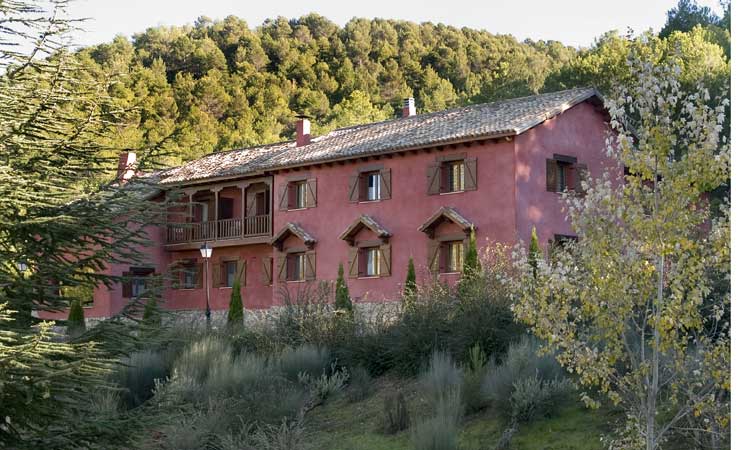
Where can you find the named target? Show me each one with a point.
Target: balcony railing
(180, 233)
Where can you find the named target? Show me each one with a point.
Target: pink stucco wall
(510, 198)
(579, 132)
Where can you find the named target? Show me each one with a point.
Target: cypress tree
(409, 287)
(235, 318)
(76, 320)
(534, 251)
(342, 301)
(471, 264)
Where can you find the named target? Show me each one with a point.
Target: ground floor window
(296, 266)
(452, 254)
(138, 283)
(369, 262)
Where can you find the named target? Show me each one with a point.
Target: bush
(138, 374)
(436, 433)
(286, 436)
(360, 384)
(472, 396)
(443, 378)
(342, 301)
(325, 386)
(522, 364)
(305, 358)
(235, 378)
(76, 320)
(200, 356)
(533, 398)
(395, 413)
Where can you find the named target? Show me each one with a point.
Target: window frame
(367, 188)
(138, 276)
(187, 266)
(370, 257)
(453, 172)
(225, 264)
(295, 267)
(453, 262)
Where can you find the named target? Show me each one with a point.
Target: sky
(573, 22)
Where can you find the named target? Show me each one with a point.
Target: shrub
(235, 319)
(522, 362)
(286, 436)
(436, 433)
(409, 286)
(472, 396)
(151, 319)
(305, 358)
(76, 320)
(360, 385)
(342, 301)
(245, 373)
(533, 398)
(200, 356)
(325, 386)
(442, 377)
(138, 374)
(395, 413)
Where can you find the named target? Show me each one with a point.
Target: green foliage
(201, 356)
(409, 286)
(360, 384)
(535, 254)
(342, 301)
(532, 397)
(440, 432)
(235, 318)
(475, 370)
(442, 377)
(76, 319)
(687, 15)
(471, 263)
(307, 359)
(151, 319)
(138, 374)
(395, 413)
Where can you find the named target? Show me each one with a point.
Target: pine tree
(235, 318)
(342, 300)
(534, 251)
(151, 318)
(76, 320)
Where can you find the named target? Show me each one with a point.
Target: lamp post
(205, 252)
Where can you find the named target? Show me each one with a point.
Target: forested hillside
(217, 85)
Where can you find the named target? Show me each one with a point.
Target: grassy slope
(341, 425)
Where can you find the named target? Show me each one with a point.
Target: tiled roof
(367, 221)
(451, 214)
(503, 118)
(296, 230)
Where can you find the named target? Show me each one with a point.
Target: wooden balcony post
(215, 191)
(244, 208)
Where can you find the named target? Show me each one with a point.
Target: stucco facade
(510, 196)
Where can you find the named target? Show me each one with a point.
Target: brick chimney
(409, 109)
(126, 166)
(302, 131)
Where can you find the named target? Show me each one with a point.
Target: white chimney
(126, 166)
(409, 109)
(302, 131)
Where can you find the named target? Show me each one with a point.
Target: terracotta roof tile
(508, 117)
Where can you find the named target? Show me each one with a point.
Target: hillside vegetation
(217, 85)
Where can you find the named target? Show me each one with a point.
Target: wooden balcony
(221, 230)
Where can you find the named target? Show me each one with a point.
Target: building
(369, 197)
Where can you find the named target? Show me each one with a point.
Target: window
(188, 275)
(369, 262)
(200, 212)
(296, 263)
(138, 283)
(298, 194)
(230, 269)
(372, 186)
(453, 176)
(225, 208)
(563, 174)
(453, 261)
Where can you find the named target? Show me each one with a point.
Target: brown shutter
(444, 251)
(216, 274)
(198, 275)
(552, 175)
(433, 256)
(267, 270)
(354, 192)
(354, 268)
(282, 267)
(251, 209)
(126, 285)
(445, 170)
(291, 194)
(385, 260)
(580, 173)
(433, 178)
(471, 174)
(241, 272)
(283, 205)
(362, 262)
(385, 184)
(311, 265)
(311, 194)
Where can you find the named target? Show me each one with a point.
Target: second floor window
(563, 173)
(298, 194)
(453, 176)
(373, 186)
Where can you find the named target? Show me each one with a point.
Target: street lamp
(22, 266)
(205, 252)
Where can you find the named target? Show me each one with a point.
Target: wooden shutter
(216, 275)
(311, 194)
(433, 176)
(198, 275)
(444, 251)
(362, 187)
(354, 268)
(282, 267)
(354, 191)
(241, 272)
(267, 270)
(126, 285)
(251, 202)
(362, 262)
(552, 175)
(471, 174)
(310, 265)
(385, 184)
(385, 260)
(433, 256)
(580, 173)
(292, 196)
(283, 205)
